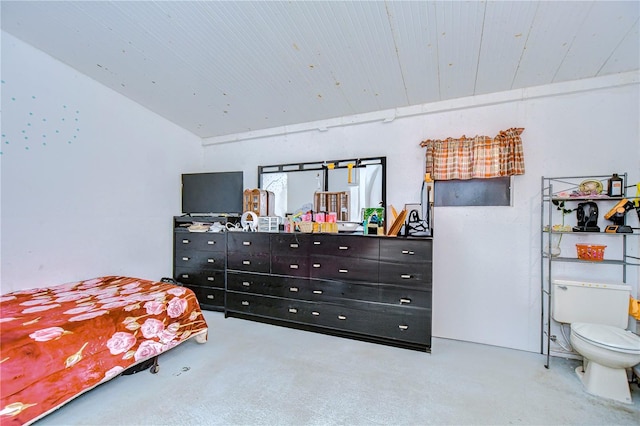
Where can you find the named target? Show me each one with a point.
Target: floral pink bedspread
(58, 342)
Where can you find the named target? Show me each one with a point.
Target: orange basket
(591, 252)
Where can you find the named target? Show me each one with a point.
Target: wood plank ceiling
(221, 68)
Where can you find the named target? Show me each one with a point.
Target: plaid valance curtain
(477, 157)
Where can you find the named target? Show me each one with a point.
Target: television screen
(212, 193)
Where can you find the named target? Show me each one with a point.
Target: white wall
(486, 260)
(93, 189)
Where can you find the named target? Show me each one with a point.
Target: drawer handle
(246, 243)
(403, 327)
(293, 245)
(185, 241)
(409, 252)
(246, 262)
(246, 283)
(405, 301)
(293, 310)
(245, 303)
(210, 296)
(405, 276)
(185, 275)
(317, 243)
(317, 291)
(211, 278)
(342, 317)
(316, 265)
(343, 248)
(211, 260)
(293, 289)
(294, 266)
(211, 242)
(343, 271)
(185, 259)
(316, 313)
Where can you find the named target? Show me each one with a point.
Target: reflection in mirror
(292, 191)
(364, 187)
(294, 185)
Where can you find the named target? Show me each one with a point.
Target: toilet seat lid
(607, 336)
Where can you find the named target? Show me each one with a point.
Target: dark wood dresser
(371, 288)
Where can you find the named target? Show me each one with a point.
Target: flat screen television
(212, 193)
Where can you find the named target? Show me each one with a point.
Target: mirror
(297, 187)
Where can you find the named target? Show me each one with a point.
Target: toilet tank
(596, 303)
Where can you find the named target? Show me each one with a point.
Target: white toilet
(598, 314)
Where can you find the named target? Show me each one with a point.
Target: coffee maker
(587, 217)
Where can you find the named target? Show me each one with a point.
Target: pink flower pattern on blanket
(121, 342)
(153, 307)
(176, 307)
(148, 349)
(61, 341)
(152, 328)
(46, 334)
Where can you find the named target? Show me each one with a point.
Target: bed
(59, 342)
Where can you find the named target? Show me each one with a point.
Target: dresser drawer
(344, 268)
(264, 306)
(297, 266)
(403, 324)
(300, 311)
(301, 288)
(268, 285)
(253, 262)
(345, 246)
(200, 259)
(406, 250)
(405, 274)
(206, 296)
(333, 290)
(351, 317)
(401, 296)
(209, 241)
(396, 323)
(206, 278)
(294, 244)
(248, 242)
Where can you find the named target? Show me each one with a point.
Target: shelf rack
(551, 190)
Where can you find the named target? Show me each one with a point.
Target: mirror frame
(323, 166)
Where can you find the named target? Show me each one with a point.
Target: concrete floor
(257, 374)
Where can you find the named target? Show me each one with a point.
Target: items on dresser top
(199, 227)
(259, 201)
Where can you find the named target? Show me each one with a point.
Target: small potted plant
(557, 238)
